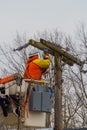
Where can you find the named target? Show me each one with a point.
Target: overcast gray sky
(30, 16)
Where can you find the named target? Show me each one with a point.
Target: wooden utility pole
(59, 56)
(58, 93)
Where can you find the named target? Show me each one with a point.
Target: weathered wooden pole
(58, 123)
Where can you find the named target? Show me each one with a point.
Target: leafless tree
(74, 80)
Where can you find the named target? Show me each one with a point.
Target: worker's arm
(43, 63)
